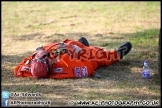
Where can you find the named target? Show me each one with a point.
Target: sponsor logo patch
(84, 71)
(58, 70)
(78, 72)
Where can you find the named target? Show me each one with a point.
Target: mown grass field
(27, 25)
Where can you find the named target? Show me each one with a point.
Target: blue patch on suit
(78, 72)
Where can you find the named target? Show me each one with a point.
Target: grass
(27, 25)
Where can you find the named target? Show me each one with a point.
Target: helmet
(39, 64)
(39, 68)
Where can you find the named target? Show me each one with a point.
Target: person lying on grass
(69, 59)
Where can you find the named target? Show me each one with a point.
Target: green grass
(27, 25)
